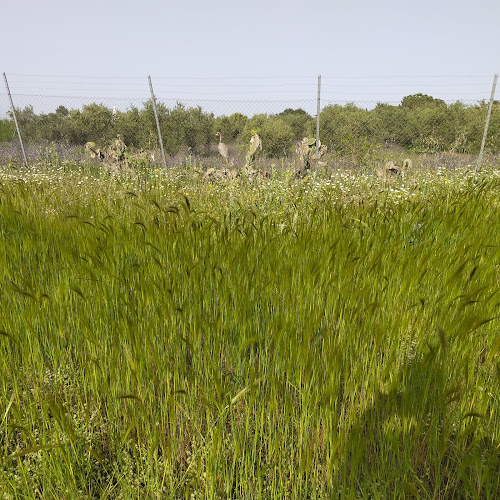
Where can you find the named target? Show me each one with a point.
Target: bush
(7, 130)
(277, 137)
(339, 122)
(302, 123)
(231, 127)
(419, 122)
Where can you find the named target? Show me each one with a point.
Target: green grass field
(168, 338)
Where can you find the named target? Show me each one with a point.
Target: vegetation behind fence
(419, 122)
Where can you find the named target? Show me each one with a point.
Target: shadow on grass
(415, 442)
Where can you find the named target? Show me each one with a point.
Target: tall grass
(284, 340)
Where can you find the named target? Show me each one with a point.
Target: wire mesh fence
(356, 133)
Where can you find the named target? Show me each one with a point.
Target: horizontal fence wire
(357, 131)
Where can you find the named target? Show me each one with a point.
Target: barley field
(162, 337)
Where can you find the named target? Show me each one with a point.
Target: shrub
(7, 130)
(277, 137)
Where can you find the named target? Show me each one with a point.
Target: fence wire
(356, 133)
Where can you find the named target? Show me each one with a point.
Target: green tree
(416, 101)
(231, 127)
(277, 137)
(7, 130)
(299, 120)
(339, 122)
(94, 123)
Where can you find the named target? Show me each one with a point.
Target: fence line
(481, 151)
(155, 109)
(15, 120)
(417, 123)
(318, 115)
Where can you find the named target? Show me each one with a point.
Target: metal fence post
(487, 123)
(153, 100)
(15, 120)
(317, 125)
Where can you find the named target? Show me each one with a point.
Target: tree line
(420, 122)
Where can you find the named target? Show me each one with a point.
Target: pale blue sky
(365, 51)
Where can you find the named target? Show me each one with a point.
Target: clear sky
(194, 50)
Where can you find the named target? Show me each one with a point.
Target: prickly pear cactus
(255, 145)
(117, 149)
(306, 151)
(93, 150)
